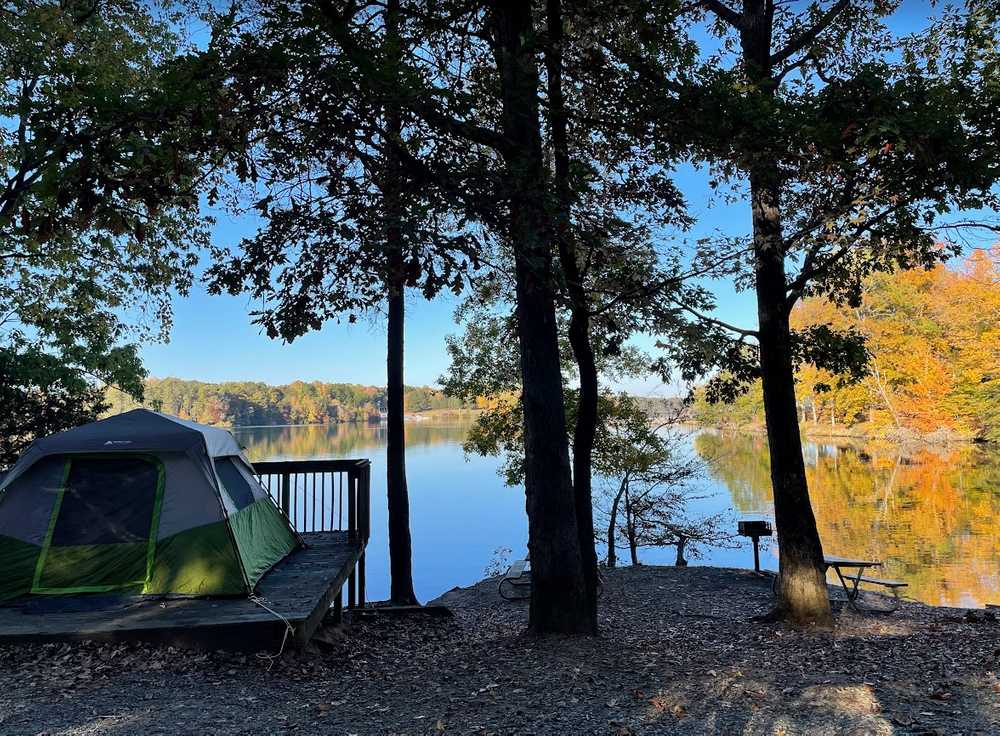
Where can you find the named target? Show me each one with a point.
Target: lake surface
(933, 516)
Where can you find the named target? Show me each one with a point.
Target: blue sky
(214, 340)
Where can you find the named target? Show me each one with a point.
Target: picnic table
(850, 581)
(515, 584)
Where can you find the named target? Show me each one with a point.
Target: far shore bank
(818, 432)
(431, 415)
(811, 431)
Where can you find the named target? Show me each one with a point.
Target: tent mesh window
(236, 485)
(107, 501)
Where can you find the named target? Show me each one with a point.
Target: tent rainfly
(141, 503)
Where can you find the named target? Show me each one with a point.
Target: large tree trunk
(585, 429)
(400, 546)
(559, 599)
(802, 592)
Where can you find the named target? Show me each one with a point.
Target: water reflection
(932, 515)
(325, 442)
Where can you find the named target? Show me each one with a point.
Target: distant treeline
(243, 403)
(252, 403)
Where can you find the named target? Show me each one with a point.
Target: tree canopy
(99, 113)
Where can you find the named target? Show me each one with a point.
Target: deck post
(352, 534)
(338, 607)
(286, 494)
(361, 580)
(366, 496)
(352, 506)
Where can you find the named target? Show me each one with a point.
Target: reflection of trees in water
(933, 515)
(338, 440)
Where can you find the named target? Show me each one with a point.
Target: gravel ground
(677, 656)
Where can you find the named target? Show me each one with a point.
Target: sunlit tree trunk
(802, 593)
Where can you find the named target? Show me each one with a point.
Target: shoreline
(813, 432)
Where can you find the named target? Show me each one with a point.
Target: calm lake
(933, 516)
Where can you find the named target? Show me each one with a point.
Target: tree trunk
(681, 544)
(559, 599)
(630, 534)
(613, 523)
(400, 546)
(802, 591)
(579, 326)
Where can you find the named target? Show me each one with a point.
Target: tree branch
(808, 36)
(724, 12)
(718, 323)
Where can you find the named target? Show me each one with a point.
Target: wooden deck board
(300, 588)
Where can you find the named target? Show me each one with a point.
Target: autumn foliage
(933, 338)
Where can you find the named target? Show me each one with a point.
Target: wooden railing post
(363, 483)
(352, 506)
(366, 494)
(286, 495)
(361, 580)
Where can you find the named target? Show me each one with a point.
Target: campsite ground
(677, 657)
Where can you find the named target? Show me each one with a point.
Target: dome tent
(140, 503)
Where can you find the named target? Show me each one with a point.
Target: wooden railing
(326, 496)
(321, 495)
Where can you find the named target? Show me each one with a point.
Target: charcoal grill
(755, 529)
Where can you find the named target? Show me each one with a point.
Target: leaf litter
(677, 655)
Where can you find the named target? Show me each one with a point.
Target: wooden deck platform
(301, 588)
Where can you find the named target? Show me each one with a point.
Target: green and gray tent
(141, 503)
